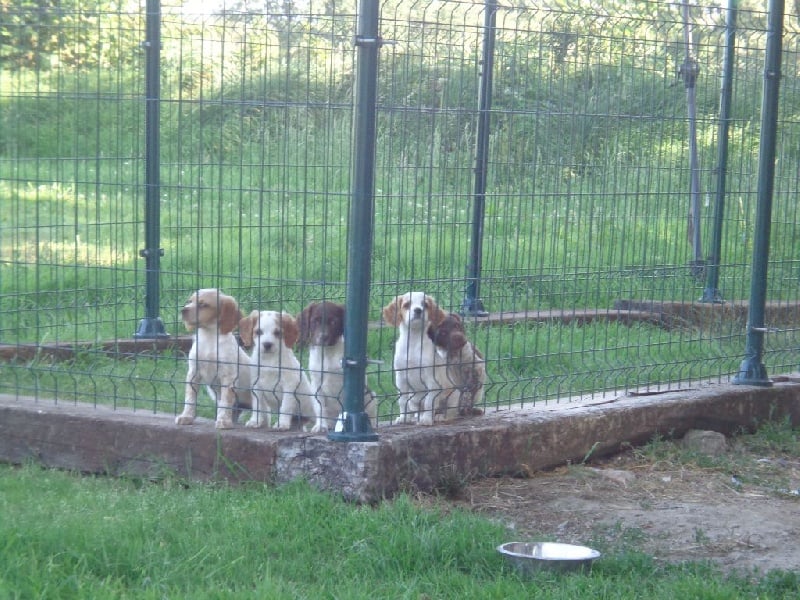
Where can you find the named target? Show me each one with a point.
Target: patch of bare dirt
(742, 512)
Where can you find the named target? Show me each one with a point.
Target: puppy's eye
(406, 304)
(201, 304)
(258, 332)
(277, 333)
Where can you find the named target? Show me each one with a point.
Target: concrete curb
(121, 442)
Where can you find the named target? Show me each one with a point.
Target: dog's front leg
(225, 402)
(256, 416)
(405, 401)
(287, 410)
(189, 402)
(426, 410)
(321, 412)
(446, 404)
(408, 410)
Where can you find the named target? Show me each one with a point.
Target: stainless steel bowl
(530, 557)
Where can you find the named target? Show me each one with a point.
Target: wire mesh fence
(593, 257)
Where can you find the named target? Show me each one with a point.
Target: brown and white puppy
(279, 383)
(420, 373)
(466, 367)
(322, 330)
(215, 360)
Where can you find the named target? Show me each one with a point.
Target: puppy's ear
(304, 324)
(246, 327)
(340, 311)
(435, 314)
(456, 341)
(391, 312)
(229, 314)
(289, 330)
(432, 333)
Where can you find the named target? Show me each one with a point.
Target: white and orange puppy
(420, 373)
(215, 360)
(279, 383)
(466, 368)
(322, 330)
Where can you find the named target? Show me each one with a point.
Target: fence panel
(587, 265)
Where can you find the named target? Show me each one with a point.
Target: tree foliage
(41, 33)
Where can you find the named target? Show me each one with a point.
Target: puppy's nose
(267, 346)
(417, 311)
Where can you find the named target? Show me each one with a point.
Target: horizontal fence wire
(587, 267)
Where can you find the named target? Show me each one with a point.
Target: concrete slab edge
(121, 442)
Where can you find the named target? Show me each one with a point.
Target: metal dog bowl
(530, 557)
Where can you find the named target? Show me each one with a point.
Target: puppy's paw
(184, 420)
(426, 419)
(253, 423)
(224, 424)
(284, 423)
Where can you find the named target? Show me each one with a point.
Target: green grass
(69, 536)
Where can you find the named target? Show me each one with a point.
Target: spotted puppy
(279, 383)
(322, 330)
(466, 368)
(420, 373)
(215, 360)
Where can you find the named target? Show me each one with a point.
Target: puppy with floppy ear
(466, 367)
(215, 360)
(279, 383)
(420, 374)
(322, 330)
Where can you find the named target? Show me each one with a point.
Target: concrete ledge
(97, 439)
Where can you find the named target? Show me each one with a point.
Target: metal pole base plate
(353, 427)
(752, 372)
(151, 328)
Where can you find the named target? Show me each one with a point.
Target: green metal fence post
(472, 303)
(151, 325)
(752, 370)
(711, 292)
(689, 71)
(356, 426)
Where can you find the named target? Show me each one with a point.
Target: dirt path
(742, 512)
